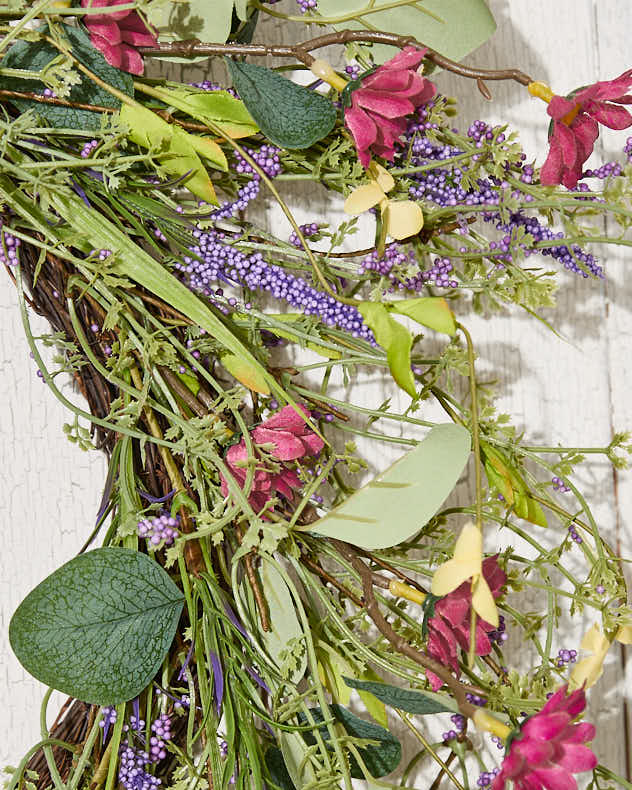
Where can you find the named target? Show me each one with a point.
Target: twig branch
(301, 52)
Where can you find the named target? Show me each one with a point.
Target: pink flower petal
(111, 52)
(131, 60)
(577, 758)
(287, 419)
(383, 80)
(434, 680)
(579, 733)
(545, 725)
(551, 171)
(108, 30)
(388, 105)
(559, 107)
(287, 446)
(291, 478)
(535, 752)
(567, 142)
(494, 575)
(610, 115)
(281, 486)
(409, 58)
(313, 443)
(363, 131)
(555, 778)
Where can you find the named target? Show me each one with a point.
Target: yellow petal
(469, 545)
(588, 671)
(624, 635)
(452, 574)
(384, 179)
(403, 219)
(363, 198)
(483, 601)
(594, 641)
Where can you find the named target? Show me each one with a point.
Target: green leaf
(411, 701)
(380, 758)
(296, 759)
(398, 503)
(430, 311)
(288, 114)
(34, 56)
(99, 627)
(179, 155)
(452, 27)
(217, 106)
(286, 632)
(277, 768)
(133, 262)
(245, 373)
(191, 19)
(395, 339)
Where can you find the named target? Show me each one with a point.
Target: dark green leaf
(35, 55)
(405, 699)
(380, 758)
(99, 627)
(277, 768)
(288, 114)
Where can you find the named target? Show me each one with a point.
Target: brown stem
(399, 643)
(301, 52)
(320, 571)
(260, 599)
(183, 392)
(435, 784)
(395, 571)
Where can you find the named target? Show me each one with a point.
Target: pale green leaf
(99, 627)
(395, 505)
(188, 19)
(395, 339)
(296, 759)
(430, 311)
(452, 27)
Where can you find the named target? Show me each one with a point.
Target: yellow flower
(624, 635)
(590, 669)
(403, 218)
(467, 563)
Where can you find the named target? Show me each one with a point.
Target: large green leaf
(35, 55)
(399, 502)
(416, 702)
(452, 27)
(133, 262)
(190, 19)
(288, 114)
(99, 627)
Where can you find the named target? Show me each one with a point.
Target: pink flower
(291, 439)
(549, 748)
(380, 105)
(576, 127)
(449, 628)
(118, 33)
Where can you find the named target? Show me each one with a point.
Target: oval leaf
(398, 503)
(395, 339)
(192, 19)
(245, 373)
(99, 627)
(288, 114)
(411, 701)
(430, 311)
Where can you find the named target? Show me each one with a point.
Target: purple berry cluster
(499, 635)
(565, 657)
(309, 230)
(560, 485)
(217, 260)
(267, 157)
(574, 535)
(108, 718)
(487, 777)
(49, 94)
(396, 264)
(307, 5)
(607, 170)
(474, 699)
(161, 529)
(9, 245)
(459, 725)
(161, 728)
(498, 741)
(132, 774)
(88, 148)
(353, 71)
(627, 149)
(207, 85)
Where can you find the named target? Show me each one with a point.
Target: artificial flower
(588, 671)
(379, 103)
(449, 627)
(549, 747)
(290, 439)
(403, 218)
(117, 34)
(467, 563)
(576, 125)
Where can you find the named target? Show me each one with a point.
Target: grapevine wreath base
(254, 615)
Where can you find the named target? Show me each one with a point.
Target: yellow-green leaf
(246, 373)
(430, 311)
(395, 339)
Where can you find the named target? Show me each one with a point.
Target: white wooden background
(569, 391)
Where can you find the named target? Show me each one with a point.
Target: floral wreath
(249, 589)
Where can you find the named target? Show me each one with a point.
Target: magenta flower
(118, 33)
(549, 748)
(383, 100)
(449, 628)
(290, 439)
(576, 126)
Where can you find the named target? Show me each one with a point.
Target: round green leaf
(288, 114)
(398, 503)
(99, 627)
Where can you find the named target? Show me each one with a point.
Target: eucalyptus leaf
(416, 702)
(399, 502)
(35, 55)
(190, 19)
(452, 27)
(99, 627)
(430, 311)
(286, 633)
(288, 114)
(395, 339)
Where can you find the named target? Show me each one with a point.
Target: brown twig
(301, 52)
(399, 643)
(320, 571)
(183, 392)
(257, 591)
